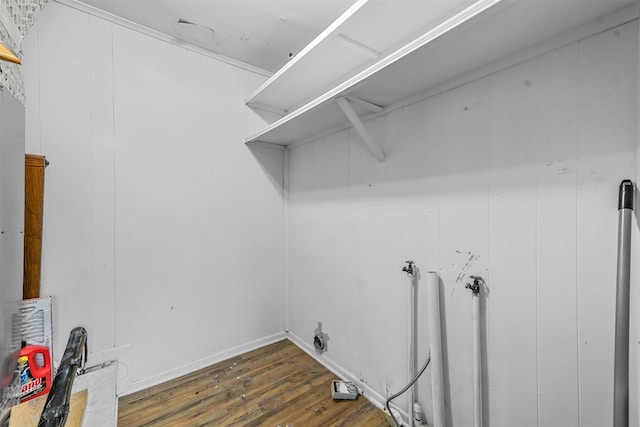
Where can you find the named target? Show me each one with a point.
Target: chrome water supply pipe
(621, 358)
(477, 355)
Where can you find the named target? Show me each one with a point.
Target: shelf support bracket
(268, 108)
(359, 127)
(374, 108)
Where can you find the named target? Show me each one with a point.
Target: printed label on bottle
(29, 386)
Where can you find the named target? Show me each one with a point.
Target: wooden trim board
(33, 215)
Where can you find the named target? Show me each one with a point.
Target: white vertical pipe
(621, 354)
(435, 341)
(477, 363)
(412, 346)
(285, 229)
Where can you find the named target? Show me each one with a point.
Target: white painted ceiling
(262, 33)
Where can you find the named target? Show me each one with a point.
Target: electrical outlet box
(344, 390)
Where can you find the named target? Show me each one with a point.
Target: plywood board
(27, 414)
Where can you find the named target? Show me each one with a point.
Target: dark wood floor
(277, 385)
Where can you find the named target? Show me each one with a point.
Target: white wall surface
(162, 231)
(12, 136)
(513, 177)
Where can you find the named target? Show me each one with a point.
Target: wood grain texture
(33, 214)
(275, 385)
(27, 414)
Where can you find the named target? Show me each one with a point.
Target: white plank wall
(12, 137)
(557, 135)
(102, 185)
(513, 177)
(160, 223)
(463, 238)
(512, 278)
(604, 153)
(163, 233)
(63, 139)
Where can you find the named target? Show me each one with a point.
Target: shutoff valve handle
(408, 268)
(475, 288)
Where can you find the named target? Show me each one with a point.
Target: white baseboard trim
(370, 394)
(202, 363)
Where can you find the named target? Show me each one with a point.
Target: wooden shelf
(463, 39)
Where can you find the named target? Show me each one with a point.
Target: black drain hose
(56, 409)
(405, 389)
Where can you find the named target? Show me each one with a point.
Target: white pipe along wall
(435, 340)
(412, 272)
(477, 356)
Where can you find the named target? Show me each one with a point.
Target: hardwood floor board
(326, 409)
(361, 416)
(239, 395)
(278, 384)
(162, 404)
(158, 407)
(287, 392)
(274, 400)
(260, 358)
(206, 387)
(293, 413)
(366, 420)
(291, 404)
(169, 386)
